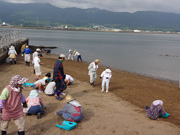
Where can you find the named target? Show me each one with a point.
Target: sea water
(156, 55)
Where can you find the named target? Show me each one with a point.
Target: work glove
(107, 78)
(25, 105)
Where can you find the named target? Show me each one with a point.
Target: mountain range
(34, 14)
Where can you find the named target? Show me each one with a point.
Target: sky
(171, 6)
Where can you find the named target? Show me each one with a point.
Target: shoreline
(72, 29)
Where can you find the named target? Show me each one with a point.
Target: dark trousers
(79, 57)
(35, 109)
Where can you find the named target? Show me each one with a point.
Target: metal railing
(8, 38)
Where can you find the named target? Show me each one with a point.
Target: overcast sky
(113, 5)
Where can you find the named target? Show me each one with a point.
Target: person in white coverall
(92, 71)
(106, 76)
(70, 54)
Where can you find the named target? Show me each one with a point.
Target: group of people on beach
(12, 101)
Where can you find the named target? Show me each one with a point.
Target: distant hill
(49, 15)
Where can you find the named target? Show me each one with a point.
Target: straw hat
(68, 98)
(97, 60)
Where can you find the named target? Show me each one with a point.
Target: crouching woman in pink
(35, 104)
(72, 111)
(11, 107)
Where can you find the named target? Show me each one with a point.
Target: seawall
(17, 45)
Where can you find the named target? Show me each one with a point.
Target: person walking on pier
(92, 71)
(27, 55)
(12, 54)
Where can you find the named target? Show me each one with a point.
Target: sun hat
(62, 56)
(96, 60)
(33, 94)
(68, 98)
(38, 50)
(108, 70)
(17, 79)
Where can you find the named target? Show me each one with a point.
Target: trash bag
(7, 60)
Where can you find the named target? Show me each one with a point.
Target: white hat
(38, 50)
(62, 56)
(96, 60)
(11, 48)
(108, 70)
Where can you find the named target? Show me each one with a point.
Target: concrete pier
(17, 45)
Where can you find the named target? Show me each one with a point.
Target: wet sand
(119, 112)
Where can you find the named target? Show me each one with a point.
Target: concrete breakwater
(17, 44)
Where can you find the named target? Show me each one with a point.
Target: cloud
(113, 5)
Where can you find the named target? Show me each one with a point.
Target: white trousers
(105, 81)
(70, 56)
(93, 77)
(27, 57)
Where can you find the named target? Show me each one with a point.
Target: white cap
(38, 50)
(108, 70)
(62, 56)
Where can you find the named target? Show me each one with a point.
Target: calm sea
(156, 55)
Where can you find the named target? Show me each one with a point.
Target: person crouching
(72, 111)
(35, 104)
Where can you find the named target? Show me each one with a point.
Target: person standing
(35, 54)
(70, 54)
(58, 76)
(106, 76)
(12, 54)
(78, 56)
(27, 56)
(37, 66)
(92, 71)
(10, 105)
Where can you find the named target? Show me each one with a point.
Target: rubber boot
(28, 63)
(21, 133)
(3, 133)
(11, 62)
(14, 62)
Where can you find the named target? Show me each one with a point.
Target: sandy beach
(119, 112)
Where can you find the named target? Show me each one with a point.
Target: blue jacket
(27, 51)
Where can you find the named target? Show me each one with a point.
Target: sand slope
(117, 113)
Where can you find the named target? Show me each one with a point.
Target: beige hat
(97, 61)
(62, 56)
(38, 50)
(68, 98)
